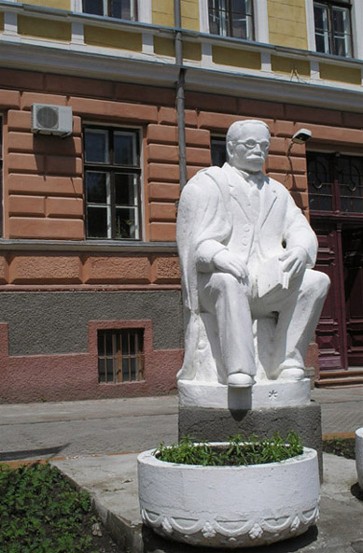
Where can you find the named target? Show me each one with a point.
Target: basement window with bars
(120, 9)
(112, 181)
(333, 33)
(231, 18)
(120, 355)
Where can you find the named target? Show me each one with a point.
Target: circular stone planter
(359, 455)
(230, 506)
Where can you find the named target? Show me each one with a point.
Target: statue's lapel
(269, 198)
(238, 190)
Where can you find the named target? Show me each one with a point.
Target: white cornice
(145, 67)
(164, 73)
(274, 90)
(86, 63)
(88, 246)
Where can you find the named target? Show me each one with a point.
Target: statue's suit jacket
(213, 215)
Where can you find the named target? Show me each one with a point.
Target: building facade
(105, 108)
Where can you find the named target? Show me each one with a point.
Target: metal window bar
(120, 355)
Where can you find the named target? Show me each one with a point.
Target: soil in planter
(239, 451)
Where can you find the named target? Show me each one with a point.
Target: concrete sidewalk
(101, 434)
(112, 482)
(44, 430)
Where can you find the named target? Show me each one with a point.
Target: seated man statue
(246, 252)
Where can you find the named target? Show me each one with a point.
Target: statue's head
(247, 145)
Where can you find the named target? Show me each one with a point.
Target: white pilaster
(77, 33)
(147, 43)
(266, 62)
(76, 6)
(10, 23)
(260, 12)
(310, 24)
(357, 26)
(203, 16)
(144, 11)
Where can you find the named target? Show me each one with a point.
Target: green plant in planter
(238, 451)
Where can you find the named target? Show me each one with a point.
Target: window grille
(112, 182)
(333, 28)
(120, 355)
(335, 183)
(120, 9)
(233, 18)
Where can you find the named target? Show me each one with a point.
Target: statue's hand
(232, 263)
(294, 261)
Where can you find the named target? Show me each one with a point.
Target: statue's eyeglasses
(250, 144)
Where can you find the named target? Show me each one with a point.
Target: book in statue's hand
(271, 277)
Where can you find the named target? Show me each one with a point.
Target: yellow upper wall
(190, 14)
(287, 23)
(59, 4)
(163, 13)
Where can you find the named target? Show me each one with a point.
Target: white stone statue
(246, 250)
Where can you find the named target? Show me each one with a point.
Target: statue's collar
(257, 179)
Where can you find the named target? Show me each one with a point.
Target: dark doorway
(336, 211)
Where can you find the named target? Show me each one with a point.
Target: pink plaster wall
(75, 376)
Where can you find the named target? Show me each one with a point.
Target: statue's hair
(235, 128)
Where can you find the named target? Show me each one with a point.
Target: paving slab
(112, 482)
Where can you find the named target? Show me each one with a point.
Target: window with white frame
(333, 33)
(112, 183)
(232, 18)
(120, 9)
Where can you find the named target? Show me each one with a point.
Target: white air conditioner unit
(51, 119)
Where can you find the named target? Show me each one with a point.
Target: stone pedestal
(265, 394)
(211, 424)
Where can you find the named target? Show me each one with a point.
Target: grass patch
(239, 451)
(343, 447)
(41, 512)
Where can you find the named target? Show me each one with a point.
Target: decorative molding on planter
(232, 506)
(232, 530)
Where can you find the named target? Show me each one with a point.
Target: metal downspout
(180, 94)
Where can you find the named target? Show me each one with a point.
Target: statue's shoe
(291, 374)
(240, 380)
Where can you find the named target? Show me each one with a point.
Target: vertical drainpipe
(180, 96)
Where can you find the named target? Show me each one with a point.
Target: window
(333, 28)
(121, 9)
(120, 355)
(218, 151)
(232, 18)
(335, 183)
(112, 182)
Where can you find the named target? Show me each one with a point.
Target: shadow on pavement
(31, 453)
